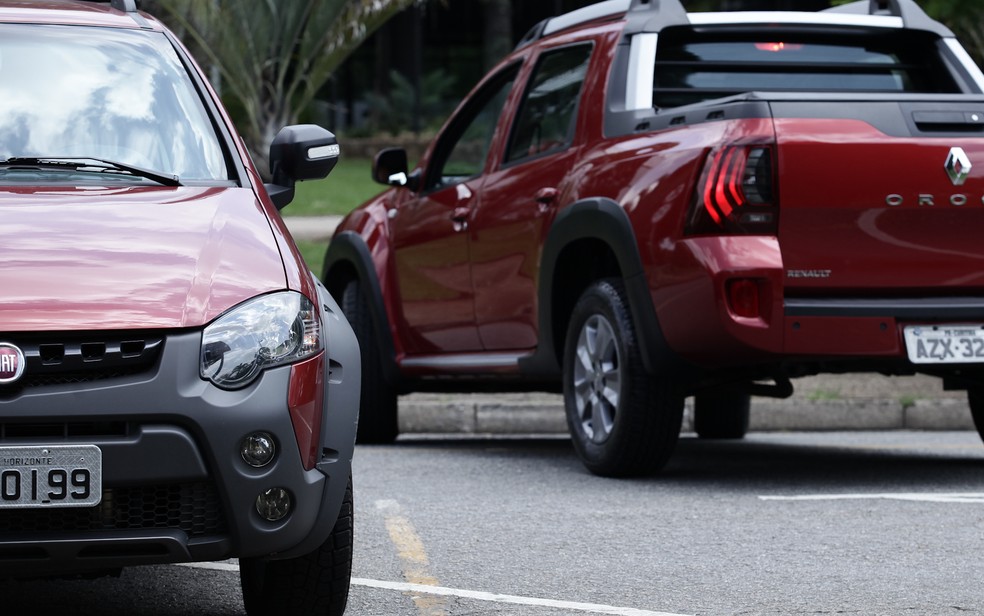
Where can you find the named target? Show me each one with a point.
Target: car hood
(131, 258)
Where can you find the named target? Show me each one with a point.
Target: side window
(462, 151)
(547, 115)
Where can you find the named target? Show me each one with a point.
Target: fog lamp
(258, 449)
(274, 504)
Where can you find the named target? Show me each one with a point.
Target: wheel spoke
(605, 342)
(601, 420)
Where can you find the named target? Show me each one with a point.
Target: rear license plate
(51, 476)
(944, 344)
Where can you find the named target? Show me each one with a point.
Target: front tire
(623, 421)
(721, 414)
(315, 584)
(378, 402)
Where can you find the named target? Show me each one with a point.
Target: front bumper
(175, 488)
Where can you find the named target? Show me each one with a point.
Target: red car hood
(127, 258)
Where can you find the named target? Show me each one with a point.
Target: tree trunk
(498, 36)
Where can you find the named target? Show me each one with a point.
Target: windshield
(116, 95)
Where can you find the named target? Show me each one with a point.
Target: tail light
(736, 194)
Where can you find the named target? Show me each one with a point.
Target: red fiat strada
(640, 204)
(175, 384)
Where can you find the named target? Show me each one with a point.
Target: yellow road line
(413, 557)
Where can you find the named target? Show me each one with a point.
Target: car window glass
(120, 95)
(547, 114)
(462, 152)
(693, 65)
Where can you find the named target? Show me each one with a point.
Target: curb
(544, 414)
(312, 228)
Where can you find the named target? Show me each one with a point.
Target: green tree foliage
(394, 112)
(273, 56)
(965, 18)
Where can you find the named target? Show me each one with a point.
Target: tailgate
(881, 199)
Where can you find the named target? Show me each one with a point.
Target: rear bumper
(702, 326)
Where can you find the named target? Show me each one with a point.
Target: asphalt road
(781, 523)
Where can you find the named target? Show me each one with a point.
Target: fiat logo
(11, 363)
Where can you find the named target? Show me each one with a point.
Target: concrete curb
(543, 414)
(312, 228)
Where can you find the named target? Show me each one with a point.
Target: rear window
(692, 66)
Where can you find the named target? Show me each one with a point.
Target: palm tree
(273, 56)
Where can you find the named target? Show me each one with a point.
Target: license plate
(51, 476)
(944, 344)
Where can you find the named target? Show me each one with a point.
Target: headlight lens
(268, 331)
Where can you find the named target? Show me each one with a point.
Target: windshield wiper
(88, 163)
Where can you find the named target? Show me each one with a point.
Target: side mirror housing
(298, 153)
(390, 167)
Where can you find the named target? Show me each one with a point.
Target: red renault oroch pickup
(640, 204)
(175, 384)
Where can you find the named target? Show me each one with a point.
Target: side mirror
(301, 152)
(390, 167)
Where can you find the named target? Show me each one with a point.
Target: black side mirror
(390, 166)
(301, 152)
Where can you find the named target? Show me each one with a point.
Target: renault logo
(958, 166)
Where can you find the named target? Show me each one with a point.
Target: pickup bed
(638, 205)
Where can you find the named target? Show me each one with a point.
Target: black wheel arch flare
(604, 220)
(349, 250)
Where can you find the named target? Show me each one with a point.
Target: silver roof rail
(912, 15)
(127, 6)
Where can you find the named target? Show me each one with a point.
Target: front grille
(191, 507)
(60, 431)
(67, 359)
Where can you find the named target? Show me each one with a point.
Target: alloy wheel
(597, 378)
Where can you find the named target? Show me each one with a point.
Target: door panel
(519, 200)
(430, 230)
(432, 267)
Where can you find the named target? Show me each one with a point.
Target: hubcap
(597, 378)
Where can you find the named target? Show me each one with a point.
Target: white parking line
(594, 608)
(976, 498)
(573, 606)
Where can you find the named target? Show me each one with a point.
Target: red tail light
(736, 193)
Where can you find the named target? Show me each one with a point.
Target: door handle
(459, 216)
(546, 196)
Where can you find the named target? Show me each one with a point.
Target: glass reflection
(121, 95)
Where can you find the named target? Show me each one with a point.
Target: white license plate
(944, 344)
(50, 476)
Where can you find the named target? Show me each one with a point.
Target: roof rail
(127, 6)
(656, 13)
(911, 13)
(588, 13)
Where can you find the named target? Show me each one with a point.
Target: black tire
(975, 399)
(315, 584)
(721, 414)
(378, 402)
(623, 421)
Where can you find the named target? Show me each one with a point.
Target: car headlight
(268, 331)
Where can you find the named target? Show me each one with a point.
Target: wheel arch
(590, 240)
(347, 259)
